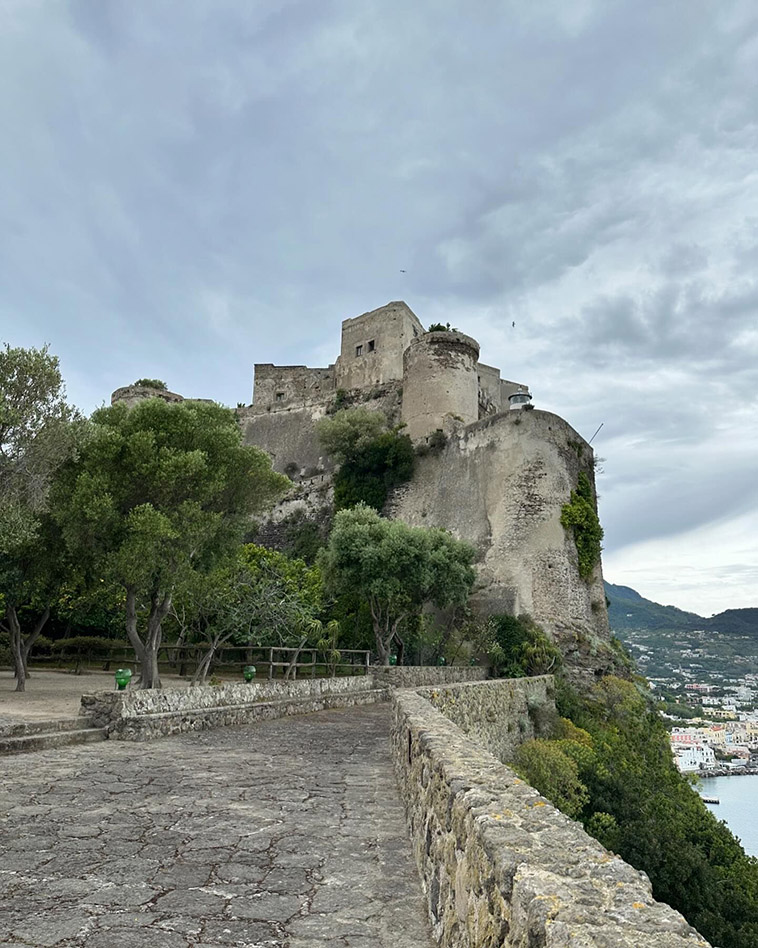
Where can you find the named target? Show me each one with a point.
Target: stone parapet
(500, 866)
(142, 715)
(499, 714)
(416, 676)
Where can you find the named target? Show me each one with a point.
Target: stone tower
(440, 382)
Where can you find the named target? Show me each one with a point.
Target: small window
(371, 345)
(280, 396)
(359, 350)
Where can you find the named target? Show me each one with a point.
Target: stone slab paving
(283, 834)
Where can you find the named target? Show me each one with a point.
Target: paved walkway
(283, 834)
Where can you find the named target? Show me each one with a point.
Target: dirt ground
(56, 694)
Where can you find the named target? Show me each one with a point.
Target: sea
(738, 806)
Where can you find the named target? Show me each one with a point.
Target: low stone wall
(501, 866)
(142, 715)
(499, 714)
(416, 676)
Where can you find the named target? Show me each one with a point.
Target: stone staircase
(48, 735)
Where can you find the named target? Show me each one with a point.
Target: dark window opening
(371, 345)
(280, 396)
(359, 350)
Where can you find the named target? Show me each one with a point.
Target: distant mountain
(629, 610)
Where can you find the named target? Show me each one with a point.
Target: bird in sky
(403, 271)
(513, 325)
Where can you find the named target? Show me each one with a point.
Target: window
(280, 396)
(371, 345)
(359, 350)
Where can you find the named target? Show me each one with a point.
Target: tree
(159, 493)
(373, 457)
(260, 596)
(38, 432)
(397, 569)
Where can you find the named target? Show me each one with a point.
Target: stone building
(495, 477)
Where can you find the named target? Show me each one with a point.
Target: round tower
(440, 382)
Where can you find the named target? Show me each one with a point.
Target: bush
(152, 383)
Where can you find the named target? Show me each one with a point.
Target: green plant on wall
(152, 383)
(579, 516)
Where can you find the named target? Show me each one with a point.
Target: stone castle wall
(500, 485)
(373, 345)
(278, 387)
(440, 383)
(500, 866)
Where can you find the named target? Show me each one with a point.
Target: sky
(189, 188)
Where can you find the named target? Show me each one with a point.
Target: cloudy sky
(189, 188)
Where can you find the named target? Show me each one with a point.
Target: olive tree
(395, 568)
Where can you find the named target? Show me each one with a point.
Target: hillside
(665, 640)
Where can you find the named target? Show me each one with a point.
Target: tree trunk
(147, 651)
(20, 647)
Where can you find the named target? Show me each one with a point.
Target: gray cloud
(184, 192)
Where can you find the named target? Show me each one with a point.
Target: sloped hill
(629, 610)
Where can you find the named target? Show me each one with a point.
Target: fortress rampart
(500, 866)
(440, 382)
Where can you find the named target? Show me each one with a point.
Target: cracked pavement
(283, 834)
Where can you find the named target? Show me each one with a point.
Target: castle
(495, 477)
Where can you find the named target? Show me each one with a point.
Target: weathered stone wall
(500, 866)
(500, 714)
(288, 436)
(143, 715)
(278, 387)
(373, 345)
(490, 393)
(440, 382)
(131, 394)
(415, 676)
(500, 484)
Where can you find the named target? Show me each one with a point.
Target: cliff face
(500, 484)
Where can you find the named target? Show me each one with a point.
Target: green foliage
(152, 383)
(442, 327)
(38, 431)
(520, 648)
(303, 538)
(160, 493)
(554, 773)
(610, 765)
(373, 457)
(394, 568)
(580, 516)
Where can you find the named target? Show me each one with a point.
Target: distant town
(705, 678)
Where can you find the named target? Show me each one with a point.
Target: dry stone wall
(500, 866)
(143, 715)
(415, 676)
(501, 714)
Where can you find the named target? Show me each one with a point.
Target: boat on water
(710, 799)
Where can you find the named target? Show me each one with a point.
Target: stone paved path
(284, 834)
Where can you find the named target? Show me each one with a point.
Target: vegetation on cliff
(373, 457)
(609, 765)
(580, 516)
